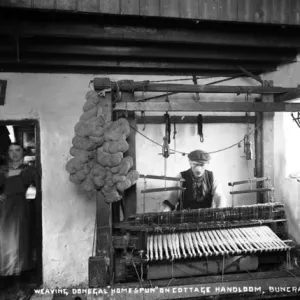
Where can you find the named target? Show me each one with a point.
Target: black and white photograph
(149, 149)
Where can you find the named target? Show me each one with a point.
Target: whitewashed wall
(68, 215)
(287, 145)
(229, 165)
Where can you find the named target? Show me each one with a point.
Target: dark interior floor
(13, 288)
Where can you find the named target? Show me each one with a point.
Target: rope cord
(184, 153)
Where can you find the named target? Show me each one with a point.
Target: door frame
(38, 200)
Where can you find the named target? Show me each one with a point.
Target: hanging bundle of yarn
(98, 148)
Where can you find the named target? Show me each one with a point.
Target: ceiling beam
(193, 119)
(147, 86)
(165, 65)
(209, 106)
(145, 34)
(81, 69)
(224, 53)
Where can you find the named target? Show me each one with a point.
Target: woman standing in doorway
(15, 178)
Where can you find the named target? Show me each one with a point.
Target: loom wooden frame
(127, 89)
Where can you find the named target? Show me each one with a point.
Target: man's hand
(3, 198)
(165, 208)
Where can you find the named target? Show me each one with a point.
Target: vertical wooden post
(115, 206)
(259, 152)
(268, 142)
(130, 195)
(104, 248)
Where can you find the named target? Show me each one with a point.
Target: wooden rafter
(154, 35)
(130, 64)
(294, 94)
(208, 106)
(193, 119)
(57, 46)
(123, 86)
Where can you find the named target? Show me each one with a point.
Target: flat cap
(199, 155)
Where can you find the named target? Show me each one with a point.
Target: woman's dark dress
(15, 254)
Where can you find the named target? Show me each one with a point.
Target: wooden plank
(208, 9)
(20, 3)
(257, 11)
(268, 11)
(149, 7)
(254, 11)
(189, 9)
(135, 34)
(268, 144)
(209, 106)
(258, 144)
(110, 6)
(227, 10)
(294, 94)
(157, 190)
(130, 195)
(192, 88)
(294, 12)
(281, 11)
(252, 191)
(130, 7)
(104, 210)
(161, 177)
(11, 65)
(242, 10)
(88, 6)
(43, 4)
(5, 3)
(193, 119)
(221, 53)
(250, 180)
(169, 8)
(38, 204)
(66, 4)
(155, 65)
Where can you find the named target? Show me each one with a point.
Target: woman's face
(198, 168)
(15, 153)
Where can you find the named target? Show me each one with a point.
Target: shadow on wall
(292, 207)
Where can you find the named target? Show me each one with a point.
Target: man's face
(198, 168)
(15, 153)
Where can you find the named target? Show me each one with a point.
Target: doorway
(27, 134)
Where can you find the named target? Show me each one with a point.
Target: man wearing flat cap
(201, 187)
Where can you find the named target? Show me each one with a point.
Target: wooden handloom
(238, 246)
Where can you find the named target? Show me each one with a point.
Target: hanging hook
(143, 117)
(168, 127)
(175, 132)
(200, 127)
